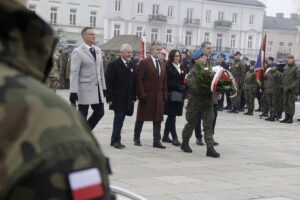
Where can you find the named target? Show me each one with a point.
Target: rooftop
(242, 2)
(281, 23)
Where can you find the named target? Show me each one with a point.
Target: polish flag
(86, 184)
(143, 48)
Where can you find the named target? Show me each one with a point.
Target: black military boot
(175, 142)
(211, 152)
(234, 110)
(251, 111)
(166, 138)
(185, 147)
(290, 119)
(268, 119)
(247, 113)
(271, 118)
(285, 118)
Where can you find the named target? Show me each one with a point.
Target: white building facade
(228, 24)
(69, 17)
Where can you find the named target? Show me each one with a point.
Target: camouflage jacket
(273, 81)
(250, 82)
(42, 139)
(57, 65)
(291, 78)
(238, 71)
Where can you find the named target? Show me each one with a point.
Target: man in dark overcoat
(121, 91)
(152, 92)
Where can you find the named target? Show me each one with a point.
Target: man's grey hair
(203, 45)
(125, 46)
(155, 43)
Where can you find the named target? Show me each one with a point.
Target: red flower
(224, 77)
(207, 72)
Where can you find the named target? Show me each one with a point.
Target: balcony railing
(157, 18)
(189, 21)
(223, 24)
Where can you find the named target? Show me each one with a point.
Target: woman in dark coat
(175, 82)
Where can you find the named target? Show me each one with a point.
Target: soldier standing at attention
(199, 104)
(238, 72)
(250, 85)
(273, 84)
(54, 77)
(291, 81)
(46, 147)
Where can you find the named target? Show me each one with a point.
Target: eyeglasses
(177, 56)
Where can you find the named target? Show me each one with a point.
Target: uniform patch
(86, 184)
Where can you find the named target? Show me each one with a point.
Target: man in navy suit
(121, 91)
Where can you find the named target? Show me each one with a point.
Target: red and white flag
(143, 48)
(86, 184)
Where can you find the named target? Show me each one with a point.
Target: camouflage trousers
(264, 102)
(272, 100)
(250, 97)
(289, 99)
(236, 101)
(194, 110)
(53, 83)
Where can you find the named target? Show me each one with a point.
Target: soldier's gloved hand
(143, 100)
(73, 98)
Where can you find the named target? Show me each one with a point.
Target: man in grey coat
(87, 82)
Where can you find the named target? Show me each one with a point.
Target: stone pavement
(259, 160)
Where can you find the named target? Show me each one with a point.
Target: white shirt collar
(87, 46)
(124, 61)
(177, 67)
(154, 59)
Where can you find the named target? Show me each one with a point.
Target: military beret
(231, 57)
(237, 53)
(252, 62)
(183, 51)
(245, 58)
(270, 58)
(197, 54)
(221, 55)
(274, 65)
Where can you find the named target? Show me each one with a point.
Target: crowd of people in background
(161, 84)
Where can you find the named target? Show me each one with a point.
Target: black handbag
(176, 96)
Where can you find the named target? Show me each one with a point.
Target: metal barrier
(125, 193)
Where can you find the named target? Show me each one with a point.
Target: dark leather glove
(73, 98)
(143, 100)
(104, 93)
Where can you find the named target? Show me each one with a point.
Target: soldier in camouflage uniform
(273, 85)
(199, 104)
(250, 85)
(238, 72)
(42, 139)
(291, 79)
(53, 80)
(64, 61)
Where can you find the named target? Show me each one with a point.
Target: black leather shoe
(199, 142)
(122, 145)
(227, 108)
(117, 145)
(166, 139)
(216, 143)
(233, 111)
(211, 152)
(158, 145)
(286, 118)
(176, 142)
(186, 148)
(137, 142)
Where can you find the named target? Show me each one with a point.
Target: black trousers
(198, 131)
(156, 130)
(98, 113)
(170, 126)
(117, 127)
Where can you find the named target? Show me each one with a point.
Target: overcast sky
(285, 6)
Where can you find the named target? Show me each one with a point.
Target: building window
(251, 20)
(234, 18)
(189, 15)
(290, 48)
(117, 5)
(117, 29)
(170, 11)
(155, 9)
(232, 42)
(188, 38)
(250, 42)
(139, 31)
(73, 16)
(154, 34)
(32, 7)
(208, 15)
(53, 15)
(93, 18)
(140, 8)
(206, 36)
(281, 47)
(270, 46)
(169, 36)
(221, 16)
(219, 42)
